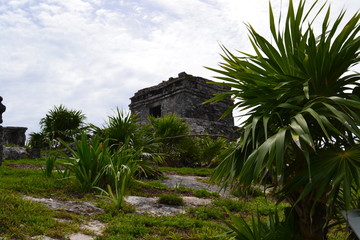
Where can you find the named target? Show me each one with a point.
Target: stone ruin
(14, 136)
(184, 97)
(2, 110)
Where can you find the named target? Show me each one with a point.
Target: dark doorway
(155, 111)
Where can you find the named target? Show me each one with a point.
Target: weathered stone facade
(14, 136)
(2, 110)
(184, 96)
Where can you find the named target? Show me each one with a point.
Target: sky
(93, 55)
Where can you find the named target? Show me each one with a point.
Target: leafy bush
(49, 165)
(203, 193)
(122, 178)
(38, 140)
(88, 160)
(168, 126)
(119, 128)
(232, 205)
(171, 133)
(63, 123)
(207, 212)
(171, 199)
(272, 228)
(250, 191)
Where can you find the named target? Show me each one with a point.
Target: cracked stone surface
(193, 182)
(149, 205)
(81, 208)
(143, 205)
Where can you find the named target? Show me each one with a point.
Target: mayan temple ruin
(184, 96)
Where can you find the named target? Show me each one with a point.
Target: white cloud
(93, 55)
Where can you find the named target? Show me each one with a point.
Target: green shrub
(232, 205)
(203, 193)
(49, 165)
(207, 212)
(188, 171)
(119, 128)
(171, 133)
(182, 189)
(119, 174)
(63, 123)
(38, 140)
(247, 192)
(88, 160)
(171, 199)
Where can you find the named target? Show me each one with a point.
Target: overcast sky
(93, 55)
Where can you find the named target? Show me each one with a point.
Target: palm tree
(302, 130)
(63, 123)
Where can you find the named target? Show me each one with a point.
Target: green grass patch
(34, 182)
(207, 212)
(203, 193)
(126, 226)
(171, 199)
(188, 171)
(20, 218)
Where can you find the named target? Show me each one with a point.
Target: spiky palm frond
(296, 90)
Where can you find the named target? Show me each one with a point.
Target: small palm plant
(302, 131)
(88, 160)
(49, 166)
(119, 174)
(63, 123)
(119, 128)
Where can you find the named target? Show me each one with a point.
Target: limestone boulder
(15, 153)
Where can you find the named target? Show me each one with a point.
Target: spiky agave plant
(302, 130)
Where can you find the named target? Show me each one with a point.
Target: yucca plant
(271, 227)
(119, 128)
(88, 160)
(302, 131)
(49, 166)
(119, 174)
(61, 122)
(170, 133)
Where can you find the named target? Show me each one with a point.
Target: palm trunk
(311, 226)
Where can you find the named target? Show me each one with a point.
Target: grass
(20, 218)
(33, 219)
(125, 226)
(171, 199)
(203, 172)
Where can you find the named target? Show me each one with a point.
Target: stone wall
(14, 136)
(184, 96)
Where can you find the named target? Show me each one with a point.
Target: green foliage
(121, 170)
(171, 199)
(171, 132)
(88, 161)
(168, 126)
(258, 229)
(49, 166)
(119, 128)
(38, 140)
(182, 189)
(207, 212)
(210, 149)
(33, 182)
(63, 123)
(232, 205)
(250, 191)
(154, 185)
(203, 172)
(302, 131)
(122, 130)
(203, 193)
(20, 218)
